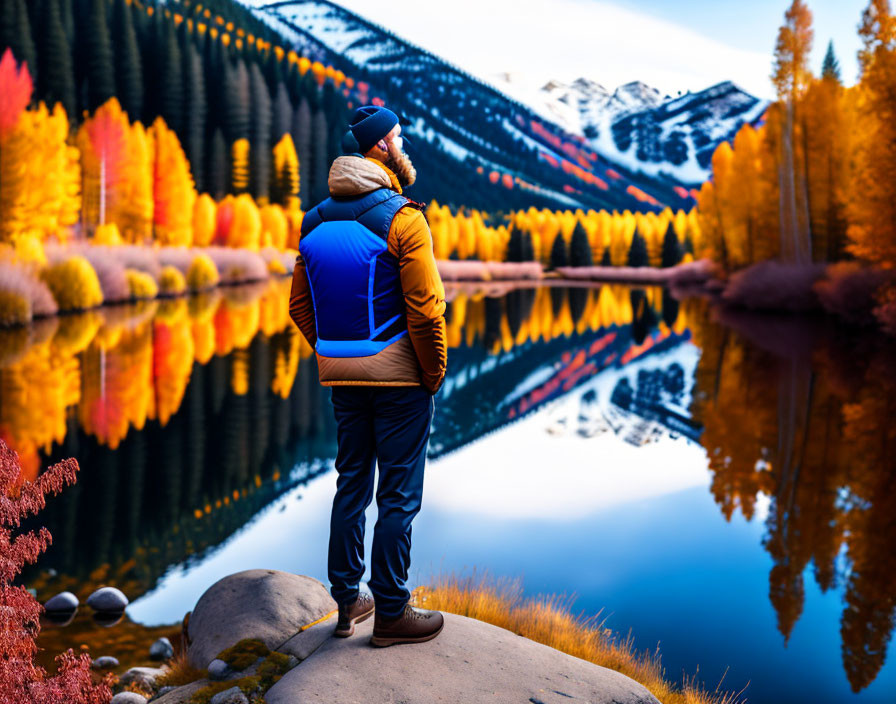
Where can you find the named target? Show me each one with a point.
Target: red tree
(21, 680)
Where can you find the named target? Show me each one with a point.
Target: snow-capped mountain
(678, 136)
(479, 144)
(639, 126)
(577, 105)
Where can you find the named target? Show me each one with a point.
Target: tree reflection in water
(802, 412)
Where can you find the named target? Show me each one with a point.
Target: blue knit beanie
(370, 124)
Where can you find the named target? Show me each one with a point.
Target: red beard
(400, 164)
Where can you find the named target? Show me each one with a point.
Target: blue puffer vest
(359, 307)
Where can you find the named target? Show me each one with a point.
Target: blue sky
(673, 46)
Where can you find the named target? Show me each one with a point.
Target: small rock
(32, 591)
(64, 601)
(292, 661)
(230, 696)
(161, 650)
(167, 688)
(104, 663)
(50, 572)
(218, 670)
(107, 599)
(128, 698)
(141, 676)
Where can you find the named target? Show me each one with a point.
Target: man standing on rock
(368, 297)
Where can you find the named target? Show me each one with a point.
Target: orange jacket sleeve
(424, 294)
(301, 309)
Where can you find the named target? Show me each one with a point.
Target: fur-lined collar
(352, 175)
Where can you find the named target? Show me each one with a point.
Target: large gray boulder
(469, 661)
(269, 605)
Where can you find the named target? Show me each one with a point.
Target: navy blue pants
(388, 425)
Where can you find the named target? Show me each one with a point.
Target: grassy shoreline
(549, 620)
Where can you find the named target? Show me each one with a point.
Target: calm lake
(721, 485)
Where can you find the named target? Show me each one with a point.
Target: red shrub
(849, 290)
(774, 285)
(21, 680)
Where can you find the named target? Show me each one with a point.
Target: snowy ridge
(638, 127)
(633, 140)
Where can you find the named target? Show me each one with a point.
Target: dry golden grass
(549, 620)
(180, 672)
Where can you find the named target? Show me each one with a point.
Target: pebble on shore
(62, 602)
(161, 650)
(105, 662)
(107, 599)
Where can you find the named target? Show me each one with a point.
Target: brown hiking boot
(359, 610)
(413, 626)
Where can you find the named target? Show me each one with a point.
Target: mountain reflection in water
(190, 418)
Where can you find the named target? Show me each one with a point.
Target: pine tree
(15, 34)
(301, 137)
(515, 245)
(236, 108)
(579, 247)
(194, 114)
(559, 255)
(100, 70)
(319, 164)
(282, 113)
(637, 253)
(335, 111)
(128, 65)
(57, 77)
(672, 253)
(830, 68)
(172, 99)
(528, 247)
(259, 135)
(218, 173)
(151, 39)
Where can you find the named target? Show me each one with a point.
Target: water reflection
(186, 417)
(193, 419)
(803, 413)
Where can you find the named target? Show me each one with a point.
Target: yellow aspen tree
(286, 191)
(39, 178)
(239, 166)
(872, 229)
(174, 192)
(245, 227)
(203, 220)
(103, 144)
(133, 209)
(827, 166)
(273, 226)
(791, 77)
(708, 221)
